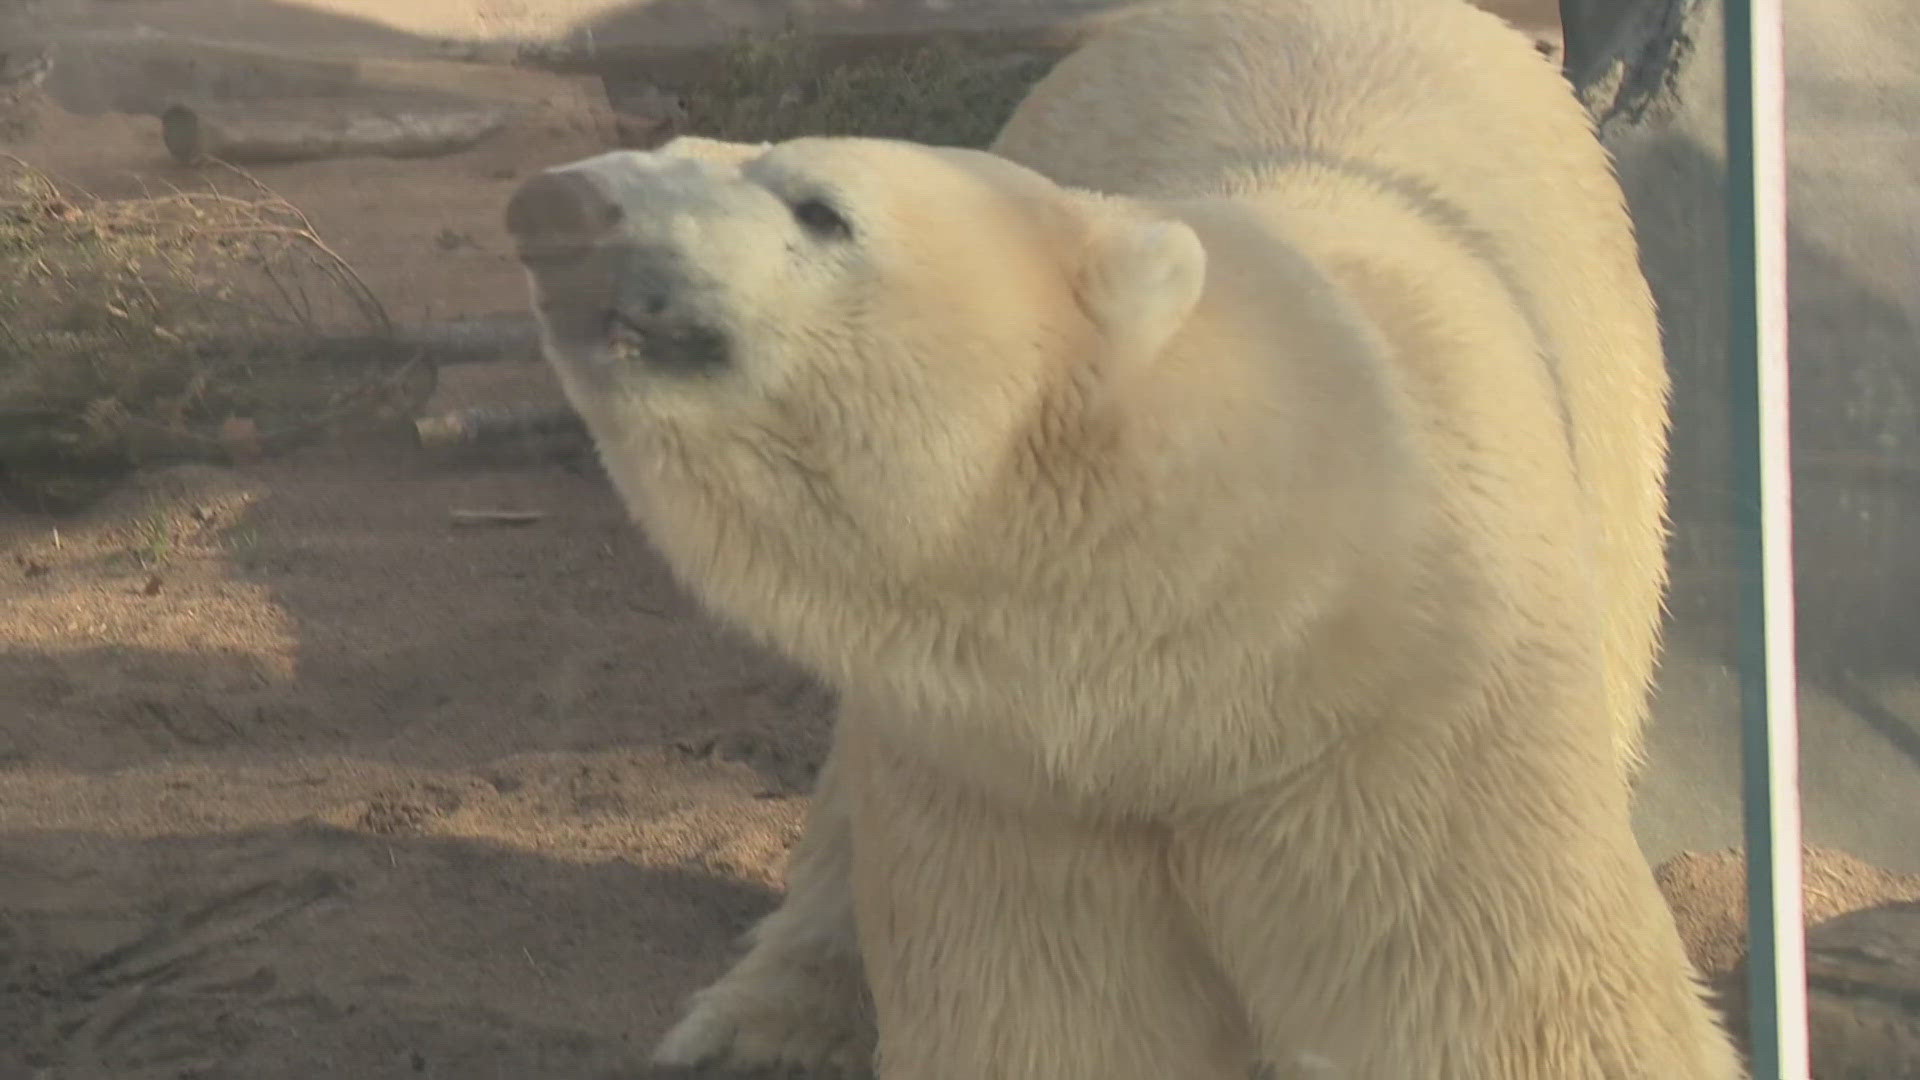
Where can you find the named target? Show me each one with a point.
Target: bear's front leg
(1523, 940)
(1011, 944)
(798, 998)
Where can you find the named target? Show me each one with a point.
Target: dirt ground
(299, 780)
(356, 793)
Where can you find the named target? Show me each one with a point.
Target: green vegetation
(779, 86)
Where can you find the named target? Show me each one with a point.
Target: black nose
(559, 215)
(659, 314)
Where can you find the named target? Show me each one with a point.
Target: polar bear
(1232, 531)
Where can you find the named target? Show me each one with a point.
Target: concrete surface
(1854, 259)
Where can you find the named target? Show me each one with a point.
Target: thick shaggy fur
(1241, 584)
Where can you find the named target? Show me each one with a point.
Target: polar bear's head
(838, 333)
(828, 356)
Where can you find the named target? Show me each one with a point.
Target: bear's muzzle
(608, 286)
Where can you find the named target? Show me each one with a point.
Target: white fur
(1241, 585)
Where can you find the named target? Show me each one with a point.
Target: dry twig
(131, 330)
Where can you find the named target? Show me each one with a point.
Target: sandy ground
(359, 795)
(354, 793)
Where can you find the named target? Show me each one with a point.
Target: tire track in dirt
(170, 1002)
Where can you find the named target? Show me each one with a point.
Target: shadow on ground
(303, 951)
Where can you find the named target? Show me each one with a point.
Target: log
(1863, 955)
(477, 427)
(136, 72)
(476, 339)
(497, 517)
(309, 128)
(1863, 995)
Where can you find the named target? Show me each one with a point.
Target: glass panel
(1651, 69)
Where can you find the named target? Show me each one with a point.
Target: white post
(1756, 210)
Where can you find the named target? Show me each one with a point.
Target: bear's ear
(699, 148)
(1140, 283)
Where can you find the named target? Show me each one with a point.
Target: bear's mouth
(666, 343)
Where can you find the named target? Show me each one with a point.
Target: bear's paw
(810, 1017)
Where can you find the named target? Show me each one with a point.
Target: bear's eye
(821, 219)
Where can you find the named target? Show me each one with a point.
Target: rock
(139, 73)
(1863, 955)
(23, 68)
(25, 65)
(1708, 894)
(240, 437)
(145, 72)
(1864, 972)
(308, 128)
(1863, 995)
(645, 115)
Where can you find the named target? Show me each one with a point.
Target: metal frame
(1762, 489)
